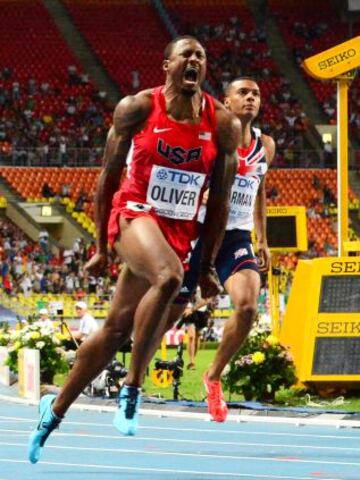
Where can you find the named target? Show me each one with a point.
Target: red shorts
(178, 233)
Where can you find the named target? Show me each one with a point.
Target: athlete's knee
(169, 279)
(246, 310)
(119, 325)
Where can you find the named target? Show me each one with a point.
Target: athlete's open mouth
(191, 74)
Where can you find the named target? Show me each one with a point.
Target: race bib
(243, 196)
(174, 193)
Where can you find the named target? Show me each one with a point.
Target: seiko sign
(338, 328)
(340, 57)
(345, 267)
(335, 61)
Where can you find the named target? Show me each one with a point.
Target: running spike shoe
(217, 407)
(126, 417)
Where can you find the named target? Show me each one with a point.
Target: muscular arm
(260, 205)
(129, 116)
(222, 178)
(260, 214)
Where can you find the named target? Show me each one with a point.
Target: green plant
(5, 335)
(260, 369)
(290, 396)
(43, 338)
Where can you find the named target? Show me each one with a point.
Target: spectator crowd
(29, 267)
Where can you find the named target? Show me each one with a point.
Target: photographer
(88, 324)
(195, 317)
(44, 318)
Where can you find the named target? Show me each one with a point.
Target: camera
(108, 383)
(175, 366)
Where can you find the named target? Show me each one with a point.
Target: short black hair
(238, 79)
(170, 46)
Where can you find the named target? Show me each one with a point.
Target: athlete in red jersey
(169, 164)
(167, 179)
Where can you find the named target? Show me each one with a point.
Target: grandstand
(54, 118)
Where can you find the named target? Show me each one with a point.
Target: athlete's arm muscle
(260, 209)
(129, 117)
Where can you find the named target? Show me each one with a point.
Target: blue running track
(87, 447)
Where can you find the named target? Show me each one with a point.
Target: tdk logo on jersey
(244, 182)
(162, 174)
(178, 155)
(183, 178)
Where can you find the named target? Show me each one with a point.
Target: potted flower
(43, 338)
(262, 366)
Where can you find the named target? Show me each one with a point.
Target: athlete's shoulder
(133, 110)
(269, 145)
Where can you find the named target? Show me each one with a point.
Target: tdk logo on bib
(183, 178)
(162, 174)
(174, 193)
(244, 182)
(178, 155)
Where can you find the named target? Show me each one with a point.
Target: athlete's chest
(176, 145)
(252, 161)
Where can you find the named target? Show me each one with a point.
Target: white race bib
(242, 199)
(174, 193)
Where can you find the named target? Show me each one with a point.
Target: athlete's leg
(243, 288)
(93, 356)
(191, 345)
(98, 350)
(148, 255)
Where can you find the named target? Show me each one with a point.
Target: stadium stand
(31, 275)
(314, 188)
(72, 187)
(236, 47)
(309, 31)
(134, 66)
(50, 111)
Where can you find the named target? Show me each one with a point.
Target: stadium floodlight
(334, 62)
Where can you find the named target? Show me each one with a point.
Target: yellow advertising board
(286, 229)
(322, 320)
(335, 61)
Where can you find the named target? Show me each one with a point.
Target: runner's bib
(174, 193)
(242, 199)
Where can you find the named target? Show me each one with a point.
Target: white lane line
(166, 470)
(292, 460)
(201, 442)
(192, 430)
(22, 433)
(239, 418)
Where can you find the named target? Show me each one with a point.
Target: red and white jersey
(168, 168)
(251, 169)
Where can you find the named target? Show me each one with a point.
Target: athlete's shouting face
(243, 99)
(186, 65)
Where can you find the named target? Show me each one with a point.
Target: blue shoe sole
(36, 437)
(126, 427)
(34, 448)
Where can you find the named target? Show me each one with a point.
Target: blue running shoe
(48, 422)
(126, 417)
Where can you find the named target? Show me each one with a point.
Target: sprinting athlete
(176, 141)
(236, 264)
